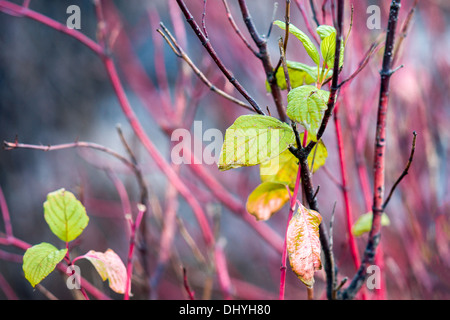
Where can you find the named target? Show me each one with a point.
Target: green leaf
(306, 105)
(254, 139)
(324, 31)
(282, 169)
(110, 267)
(364, 223)
(65, 215)
(40, 260)
(305, 40)
(266, 199)
(328, 48)
(303, 244)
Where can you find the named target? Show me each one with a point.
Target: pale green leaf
(266, 199)
(305, 40)
(40, 260)
(110, 267)
(306, 105)
(303, 244)
(65, 215)
(328, 48)
(254, 139)
(324, 31)
(364, 223)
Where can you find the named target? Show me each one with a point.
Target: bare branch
(179, 52)
(405, 171)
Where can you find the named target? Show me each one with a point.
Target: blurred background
(55, 90)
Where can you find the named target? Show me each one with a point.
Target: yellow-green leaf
(254, 139)
(324, 31)
(305, 40)
(328, 48)
(110, 267)
(40, 260)
(266, 199)
(306, 105)
(303, 244)
(65, 215)
(364, 223)
(281, 169)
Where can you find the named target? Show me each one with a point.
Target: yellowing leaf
(65, 215)
(364, 223)
(254, 139)
(303, 244)
(281, 169)
(109, 266)
(40, 260)
(306, 105)
(266, 199)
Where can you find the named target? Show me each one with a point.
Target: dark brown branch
(334, 80)
(314, 13)
(379, 158)
(205, 42)
(261, 43)
(405, 171)
(287, 21)
(329, 264)
(302, 155)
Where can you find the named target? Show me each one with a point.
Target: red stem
(5, 214)
(133, 226)
(345, 193)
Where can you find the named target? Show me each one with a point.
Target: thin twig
(204, 19)
(405, 171)
(373, 48)
(179, 52)
(313, 10)
(238, 31)
(78, 144)
(186, 285)
(261, 43)
(302, 10)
